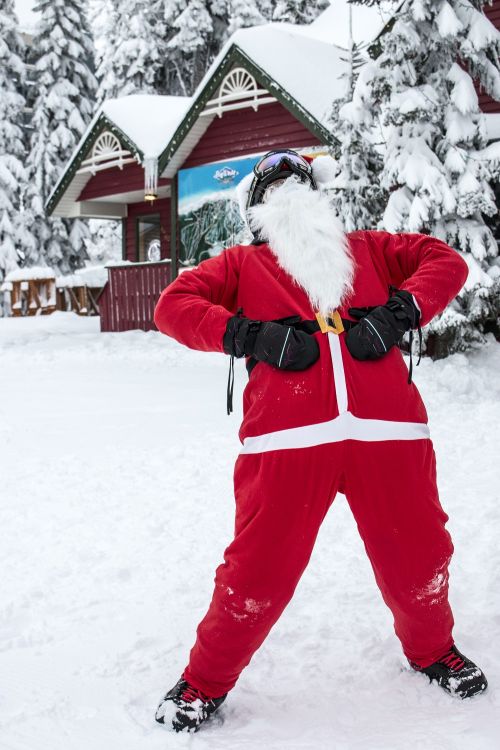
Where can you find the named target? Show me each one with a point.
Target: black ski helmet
(277, 165)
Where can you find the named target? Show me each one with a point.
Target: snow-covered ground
(116, 503)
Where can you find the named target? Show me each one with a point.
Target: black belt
(309, 326)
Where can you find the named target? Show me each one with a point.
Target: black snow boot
(185, 708)
(456, 674)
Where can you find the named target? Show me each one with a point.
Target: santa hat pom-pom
(242, 191)
(324, 169)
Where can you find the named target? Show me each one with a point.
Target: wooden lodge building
(167, 166)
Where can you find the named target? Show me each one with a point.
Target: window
(148, 238)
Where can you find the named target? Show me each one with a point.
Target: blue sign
(198, 185)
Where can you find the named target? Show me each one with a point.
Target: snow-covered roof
(148, 121)
(332, 25)
(305, 70)
(304, 66)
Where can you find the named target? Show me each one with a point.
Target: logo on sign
(225, 175)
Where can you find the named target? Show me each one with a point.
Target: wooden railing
(33, 296)
(128, 300)
(83, 300)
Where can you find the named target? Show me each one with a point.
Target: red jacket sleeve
(426, 267)
(195, 307)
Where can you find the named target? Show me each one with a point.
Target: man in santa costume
(329, 407)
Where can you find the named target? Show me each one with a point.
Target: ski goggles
(272, 161)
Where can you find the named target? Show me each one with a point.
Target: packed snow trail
(116, 460)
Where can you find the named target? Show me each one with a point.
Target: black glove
(279, 345)
(380, 328)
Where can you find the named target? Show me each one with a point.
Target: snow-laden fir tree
(165, 46)
(64, 104)
(355, 192)
(131, 46)
(12, 156)
(106, 243)
(299, 11)
(245, 13)
(197, 31)
(103, 17)
(438, 167)
(193, 43)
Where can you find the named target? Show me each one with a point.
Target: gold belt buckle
(325, 327)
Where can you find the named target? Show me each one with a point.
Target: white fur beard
(308, 241)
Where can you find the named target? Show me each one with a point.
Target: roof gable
(99, 125)
(143, 125)
(307, 94)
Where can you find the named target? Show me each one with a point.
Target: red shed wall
(486, 103)
(244, 131)
(143, 209)
(115, 181)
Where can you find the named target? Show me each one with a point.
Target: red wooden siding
(486, 103)
(493, 12)
(104, 303)
(161, 207)
(115, 181)
(130, 296)
(244, 131)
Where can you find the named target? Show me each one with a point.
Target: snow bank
(117, 464)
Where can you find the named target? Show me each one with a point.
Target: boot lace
(191, 694)
(452, 660)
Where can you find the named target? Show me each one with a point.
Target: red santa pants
(281, 499)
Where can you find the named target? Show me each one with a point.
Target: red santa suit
(342, 425)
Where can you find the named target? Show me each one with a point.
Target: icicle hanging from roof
(150, 178)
